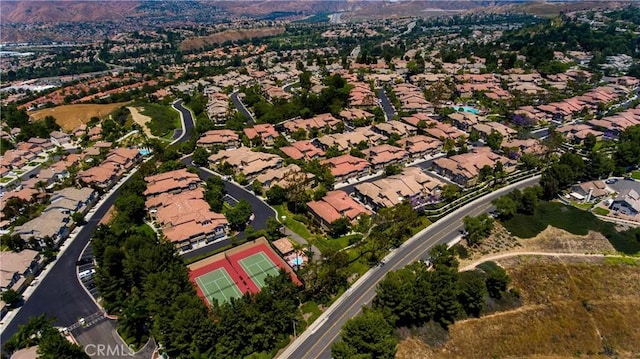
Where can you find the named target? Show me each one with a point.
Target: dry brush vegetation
(573, 307)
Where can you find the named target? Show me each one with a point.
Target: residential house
(245, 161)
(353, 115)
(283, 176)
(185, 218)
(347, 140)
(465, 168)
(627, 202)
(485, 129)
(412, 185)
(324, 121)
(336, 205)
(592, 191)
(18, 269)
(219, 138)
(171, 182)
(394, 127)
(420, 146)
(346, 167)
(385, 155)
(302, 150)
(60, 138)
(265, 132)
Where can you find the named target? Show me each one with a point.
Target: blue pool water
(144, 151)
(472, 110)
(297, 261)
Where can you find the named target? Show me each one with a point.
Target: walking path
(548, 254)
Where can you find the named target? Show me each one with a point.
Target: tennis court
(219, 285)
(259, 267)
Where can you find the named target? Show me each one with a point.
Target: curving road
(389, 110)
(316, 341)
(59, 294)
(242, 108)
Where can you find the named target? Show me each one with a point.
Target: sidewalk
(63, 247)
(296, 237)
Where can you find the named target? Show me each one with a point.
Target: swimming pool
(144, 151)
(469, 109)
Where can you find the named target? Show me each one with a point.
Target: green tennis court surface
(259, 267)
(219, 285)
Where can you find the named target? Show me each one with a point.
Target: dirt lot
(229, 35)
(550, 240)
(71, 116)
(141, 120)
(573, 307)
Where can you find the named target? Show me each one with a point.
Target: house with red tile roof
(320, 122)
(351, 115)
(463, 169)
(283, 176)
(245, 161)
(336, 205)
(411, 185)
(385, 155)
(346, 167)
(302, 150)
(266, 132)
(420, 146)
(346, 140)
(103, 175)
(394, 127)
(184, 217)
(171, 182)
(223, 138)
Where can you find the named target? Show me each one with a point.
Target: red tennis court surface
(234, 262)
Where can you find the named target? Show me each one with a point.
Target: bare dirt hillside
(65, 11)
(70, 117)
(230, 35)
(573, 308)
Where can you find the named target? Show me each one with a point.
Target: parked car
(611, 181)
(84, 260)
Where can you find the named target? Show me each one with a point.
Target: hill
(572, 308)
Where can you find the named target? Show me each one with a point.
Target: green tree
(494, 140)
(529, 161)
(276, 195)
(599, 165)
(471, 292)
(477, 228)
(40, 331)
(628, 150)
(505, 206)
(13, 241)
(238, 215)
(590, 141)
(78, 218)
(339, 227)
(392, 170)
(201, 157)
(368, 335)
(11, 297)
(273, 229)
(497, 282)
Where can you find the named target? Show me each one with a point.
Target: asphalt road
(317, 340)
(389, 111)
(241, 107)
(60, 294)
(260, 209)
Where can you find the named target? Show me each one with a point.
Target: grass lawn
(336, 244)
(635, 175)
(292, 224)
(572, 220)
(582, 206)
(164, 119)
(310, 308)
(601, 211)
